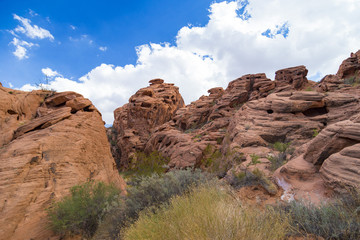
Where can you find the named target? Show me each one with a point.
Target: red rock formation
(253, 112)
(350, 66)
(49, 144)
(347, 76)
(147, 108)
(204, 121)
(291, 78)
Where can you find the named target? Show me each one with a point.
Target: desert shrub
(150, 192)
(217, 163)
(309, 89)
(254, 159)
(336, 220)
(278, 160)
(252, 178)
(208, 212)
(143, 164)
(315, 132)
(353, 80)
(81, 212)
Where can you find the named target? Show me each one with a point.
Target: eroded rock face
(204, 122)
(332, 158)
(291, 78)
(47, 147)
(347, 77)
(350, 66)
(254, 112)
(147, 108)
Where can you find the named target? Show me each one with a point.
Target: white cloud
(103, 49)
(72, 27)
(21, 48)
(320, 34)
(33, 13)
(82, 38)
(49, 72)
(31, 31)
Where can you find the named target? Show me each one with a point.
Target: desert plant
(150, 192)
(252, 178)
(315, 132)
(353, 80)
(278, 160)
(329, 220)
(218, 163)
(81, 212)
(254, 159)
(142, 164)
(208, 212)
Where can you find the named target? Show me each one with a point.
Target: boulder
(291, 78)
(147, 108)
(43, 158)
(350, 66)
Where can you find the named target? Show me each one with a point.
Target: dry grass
(208, 213)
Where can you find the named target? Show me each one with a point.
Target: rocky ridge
(49, 143)
(254, 112)
(147, 108)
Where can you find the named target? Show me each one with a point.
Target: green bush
(336, 220)
(208, 212)
(142, 164)
(278, 160)
(315, 132)
(217, 163)
(81, 212)
(150, 192)
(252, 178)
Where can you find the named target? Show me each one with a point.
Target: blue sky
(107, 50)
(80, 28)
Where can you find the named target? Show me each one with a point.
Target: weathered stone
(291, 78)
(147, 108)
(44, 121)
(61, 98)
(55, 151)
(350, 66)
(78, 103)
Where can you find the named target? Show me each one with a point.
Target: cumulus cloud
(240, 37)
(21, 48)
(49, 72)
(31, 31)
(103, 49)
(72, 27)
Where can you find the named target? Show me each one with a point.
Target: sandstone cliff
(147, 108)
(49, 142)
(253, 113)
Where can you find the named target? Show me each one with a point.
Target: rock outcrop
(147, 108)
(350, 66)
(348, 76)
(49, 143)
(333, 155)
(254, 112)
(291, 78)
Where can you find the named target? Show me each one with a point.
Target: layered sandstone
(147, 108)
(50, 142)
(347, 77)
(254, 112)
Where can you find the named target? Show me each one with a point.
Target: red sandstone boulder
(43, 155)
(147, 108)
(350, 66)
(291, 78)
